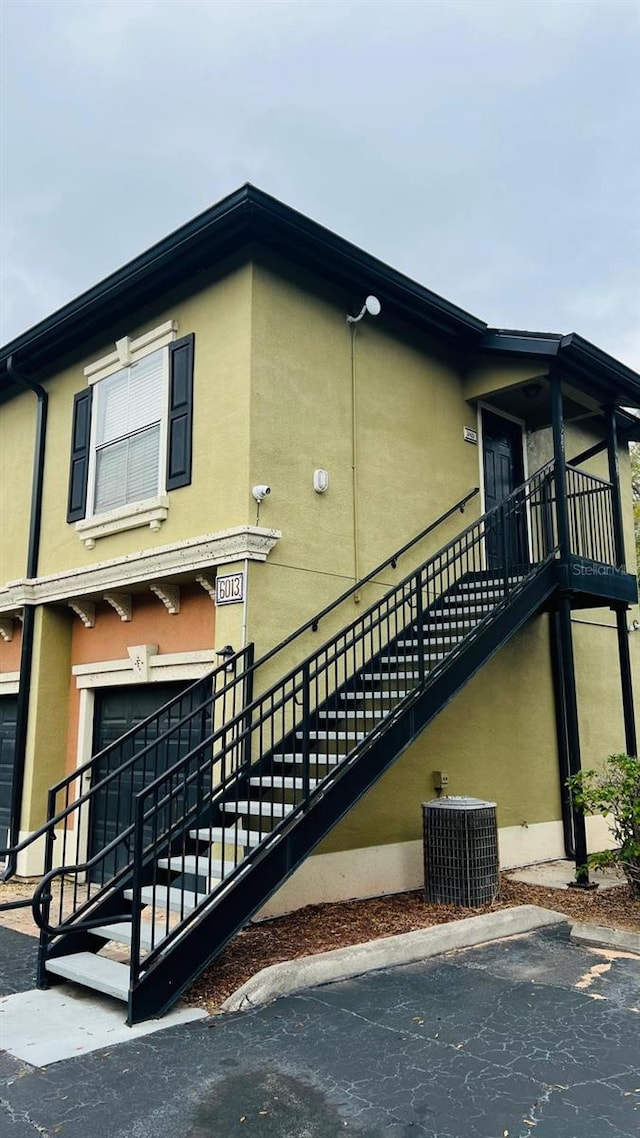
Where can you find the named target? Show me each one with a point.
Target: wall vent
(461, 863)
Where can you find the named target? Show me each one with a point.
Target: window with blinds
(128, 420)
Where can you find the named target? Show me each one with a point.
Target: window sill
(152, 512)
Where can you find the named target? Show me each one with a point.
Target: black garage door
(117, 710)
(8, 713)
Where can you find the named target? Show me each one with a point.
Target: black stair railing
(590, 508)
(401, 632)
(138, 756)
(210, 788)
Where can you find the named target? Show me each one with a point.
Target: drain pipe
(29, 614)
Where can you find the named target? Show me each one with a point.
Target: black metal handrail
(136, 746)
(136, 755)
(221, 756)
(232, 769)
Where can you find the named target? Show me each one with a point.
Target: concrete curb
(408, 948)
(602, 937)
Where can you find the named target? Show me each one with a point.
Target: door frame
(483, 406)
(163, 668)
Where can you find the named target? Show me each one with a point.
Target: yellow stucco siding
(217, 498)
(496, 740)
(48, 712)
(17, 440)
(412, 462)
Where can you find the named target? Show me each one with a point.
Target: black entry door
(506, 535)
(8, 719)
(117, 711)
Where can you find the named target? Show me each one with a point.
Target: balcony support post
(559, 452)
(571, 726)
(626, 681)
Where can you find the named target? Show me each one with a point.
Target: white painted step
(314, 760)
(282, 782)
(266, 808)
(349, 713)
(198, 866)
(333, 735)
(377, 695)
(430, 640)
(388, 675)
(123, 934)
(176, 900)
(227, 836)
(97, 972)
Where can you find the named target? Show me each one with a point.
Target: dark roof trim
(244, 216)
(579, 359)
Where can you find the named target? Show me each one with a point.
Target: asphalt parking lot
(531, 1036)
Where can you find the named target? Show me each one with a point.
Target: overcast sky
(488, 148)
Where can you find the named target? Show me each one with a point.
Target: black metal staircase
(264, 775)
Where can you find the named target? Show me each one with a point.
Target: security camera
(260, 492)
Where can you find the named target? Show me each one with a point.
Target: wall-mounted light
(321, 481)
(226, 655)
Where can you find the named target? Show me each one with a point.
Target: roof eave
(244, 216)
(578, 358)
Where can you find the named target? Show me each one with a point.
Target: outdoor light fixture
(226, 654)
(531, 390)
(371, 306)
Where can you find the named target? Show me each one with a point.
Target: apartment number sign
(230, 589)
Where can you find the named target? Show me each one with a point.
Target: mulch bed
(318, 928)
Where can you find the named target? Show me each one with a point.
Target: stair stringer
(217, 921)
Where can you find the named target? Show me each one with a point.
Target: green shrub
(614, 792)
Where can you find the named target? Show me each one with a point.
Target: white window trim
(129, 351)
(150, 512)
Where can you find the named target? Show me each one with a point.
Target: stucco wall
(218, 496)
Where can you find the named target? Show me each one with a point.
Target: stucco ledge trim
(241, 543)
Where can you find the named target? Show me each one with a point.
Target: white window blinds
(129, 414)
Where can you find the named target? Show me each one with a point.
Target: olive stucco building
(135, 424)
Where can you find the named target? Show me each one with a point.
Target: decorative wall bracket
(169, 595)
(6, 629)
(121, 602)
(86, 610)
(208, 584)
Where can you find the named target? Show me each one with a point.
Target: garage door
(8, 714)
(117, 711)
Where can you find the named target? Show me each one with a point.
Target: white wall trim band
(9, 683)
(143, 665)
(241, 543)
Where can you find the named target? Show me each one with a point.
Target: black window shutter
(79, 469)
(180, 412)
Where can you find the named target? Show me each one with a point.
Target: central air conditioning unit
(461, 863)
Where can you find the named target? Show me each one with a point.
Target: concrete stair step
(198, 866)
(163, 897)
(123, 933)
(282, 782)
(227, 836)
(329, 735)
(390, 694)
(266, 808)
(316, 760)
(97, 972)
(349, 713)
